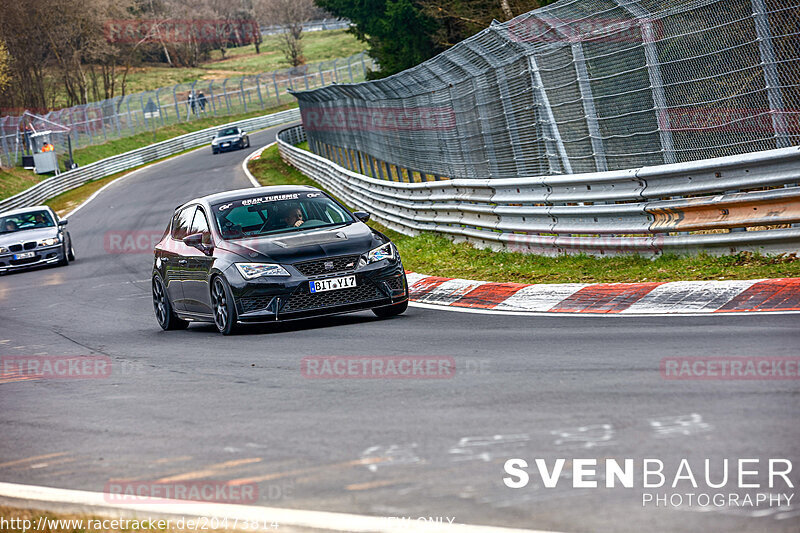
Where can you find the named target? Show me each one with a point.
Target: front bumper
(232, 145)
(289, 298)
(42, 256)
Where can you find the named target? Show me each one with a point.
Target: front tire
(391, 310)
(165, 315)
(223, 305)
(64, 255)
(71, 250)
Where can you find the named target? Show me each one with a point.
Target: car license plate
(332, 284)
(225, 145)
(25, 255)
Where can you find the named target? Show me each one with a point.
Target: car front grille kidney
(30, 245)
(303, 300)
(328, 265)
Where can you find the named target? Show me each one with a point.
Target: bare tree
(290, 15)
(5, 70)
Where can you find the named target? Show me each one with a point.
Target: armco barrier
(75, 178)
(647, 210)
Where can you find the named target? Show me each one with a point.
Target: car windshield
(228, 131)
(23, 221)
(280, 213)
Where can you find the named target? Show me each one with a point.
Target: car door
(174, 257)
(196, 289)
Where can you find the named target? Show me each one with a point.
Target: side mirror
(244, 132)
(63, 222)
(363, 216)
(195, 240)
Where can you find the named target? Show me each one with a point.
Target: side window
(200, 225)
(182, 222)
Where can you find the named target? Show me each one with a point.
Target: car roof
(240, 194)
(21, 210)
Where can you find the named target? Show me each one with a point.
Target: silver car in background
(231, 138)
(33, 236)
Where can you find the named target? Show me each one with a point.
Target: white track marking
(247, 159)
(449, 291)
(93, 502)
(540, 297)
(690, 296)
(482, 311)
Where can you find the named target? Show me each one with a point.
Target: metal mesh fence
(99, 122)
(577, 86)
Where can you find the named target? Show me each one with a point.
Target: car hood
(227, 138)
(356, 238)
(27, 235)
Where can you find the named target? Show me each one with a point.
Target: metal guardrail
(75, 178)
(647, 210)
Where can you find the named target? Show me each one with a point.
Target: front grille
(255, 303)
(19, 247)
(344, 263)
(303, 301)
(396, 284)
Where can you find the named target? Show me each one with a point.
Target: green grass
(319, 46)
(436, 255)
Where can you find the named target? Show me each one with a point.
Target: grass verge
(436, 255)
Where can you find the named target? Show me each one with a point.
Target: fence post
(177, 106)
(585, 87)
(225, 96)
(277, 92)
(771, 78)
(241, 93)
(642, 16)
(544, 101)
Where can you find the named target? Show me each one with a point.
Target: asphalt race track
(193, 404)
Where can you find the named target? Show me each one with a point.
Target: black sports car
(33, 236)
(269, 254)
(229, 139)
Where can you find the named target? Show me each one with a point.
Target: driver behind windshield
(41, 220)
(10, 226)
(293, 216)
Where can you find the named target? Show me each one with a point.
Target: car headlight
(3, 250)
(49, 242)
(384, 251)
(257, 270)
